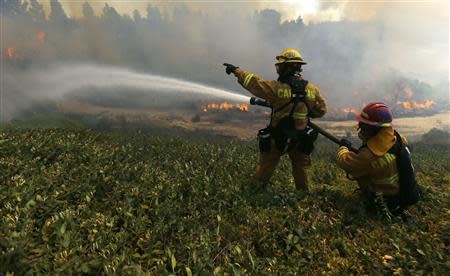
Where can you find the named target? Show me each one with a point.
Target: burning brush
(224, 106)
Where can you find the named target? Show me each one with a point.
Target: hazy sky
(418, 29)
(351, 47)
(311, 10)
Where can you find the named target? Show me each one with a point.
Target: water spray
(61, 80)
(22, 89)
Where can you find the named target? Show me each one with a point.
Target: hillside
(78, 201)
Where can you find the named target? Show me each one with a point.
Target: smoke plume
(351, 61)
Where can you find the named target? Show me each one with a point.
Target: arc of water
(62, 80)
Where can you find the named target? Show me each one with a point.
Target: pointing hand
(230, 68)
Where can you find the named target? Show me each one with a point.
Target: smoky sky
(345, 58)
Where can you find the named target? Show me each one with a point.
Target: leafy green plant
(86, 202)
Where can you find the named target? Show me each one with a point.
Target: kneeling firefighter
(293, 100)
(382, 167)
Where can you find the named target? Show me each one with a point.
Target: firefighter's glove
(308, 137)
(230, 68)
(311, 133)
(345, 143)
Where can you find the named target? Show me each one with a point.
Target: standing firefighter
(382, 167)
(293, 101)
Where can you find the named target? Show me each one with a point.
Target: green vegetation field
(78, 201)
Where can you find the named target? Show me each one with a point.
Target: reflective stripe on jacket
(374, 170)
(278, 94)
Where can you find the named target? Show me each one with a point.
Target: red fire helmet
(376, 114)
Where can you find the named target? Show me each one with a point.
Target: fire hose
(326, 134)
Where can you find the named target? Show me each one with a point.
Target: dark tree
(13, 7)
(88, 12)
(137, 16)
(36, 11)
(153, 14)
(57, 13)
(110, 14)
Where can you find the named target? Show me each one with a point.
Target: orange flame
(41, 37)
(406, 105)
(225, 106)
(348, 110)
(425, 105)
(409, 106)
(10, 52)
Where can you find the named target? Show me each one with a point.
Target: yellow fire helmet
(290, 55)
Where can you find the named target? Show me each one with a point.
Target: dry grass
(241, 128)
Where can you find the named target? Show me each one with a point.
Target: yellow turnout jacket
(373, 167)
(279, 94)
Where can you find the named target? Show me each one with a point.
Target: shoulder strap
(298, 88)
(398, 144)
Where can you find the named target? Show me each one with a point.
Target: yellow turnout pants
(269, 160)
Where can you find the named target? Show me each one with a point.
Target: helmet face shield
(280, 59)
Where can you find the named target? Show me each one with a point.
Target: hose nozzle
(260, 102)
